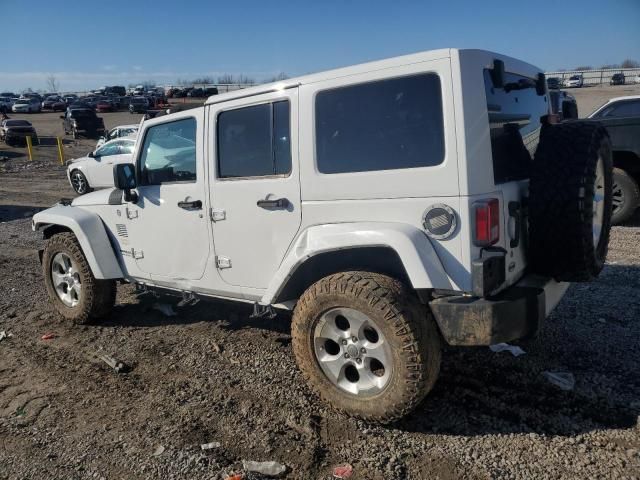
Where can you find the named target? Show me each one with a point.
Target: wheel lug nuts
(359, 360)
(346, 355)
(355, 339)
(362, 350)
(344, 342)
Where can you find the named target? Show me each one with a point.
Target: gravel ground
(212, 374)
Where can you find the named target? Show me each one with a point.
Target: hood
(99, 197)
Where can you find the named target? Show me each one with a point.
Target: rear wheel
(366, 345)
(570, 201)
(75, 293)
(626, 196)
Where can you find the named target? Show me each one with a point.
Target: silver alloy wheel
(352, 351)
(617, 196)
(79, 183)
(598, 203)
(66, 279)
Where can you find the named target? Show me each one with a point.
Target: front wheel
(366, 345)
(75, 293)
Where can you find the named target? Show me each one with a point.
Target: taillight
(487, 215)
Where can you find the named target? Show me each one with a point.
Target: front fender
(90, 232)
(420, 261)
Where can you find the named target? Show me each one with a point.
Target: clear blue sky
(88, 43)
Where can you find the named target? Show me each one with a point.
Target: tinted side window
(623, 109)
(254, 141)
(383, 125)
(169, 153)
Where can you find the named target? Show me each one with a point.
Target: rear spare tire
(570, 201)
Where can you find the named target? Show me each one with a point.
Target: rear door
(255, 191)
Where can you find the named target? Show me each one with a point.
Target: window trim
(141, 150)
(348, 84)
(253, 177)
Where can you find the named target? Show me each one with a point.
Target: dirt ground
(212, 374)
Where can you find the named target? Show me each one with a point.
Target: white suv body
(383, 167)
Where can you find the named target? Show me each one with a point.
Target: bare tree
(609, 66)
(52, 83)
(628, 63)
(588, 67)
(225, 79)
(244, 80)
(277, 78)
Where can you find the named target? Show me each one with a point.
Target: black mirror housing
(62, 117)
(124, 178)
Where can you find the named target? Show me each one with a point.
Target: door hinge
(131, 214)
(223, 262)
(217, 214)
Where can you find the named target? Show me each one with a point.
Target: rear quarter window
(382, 125)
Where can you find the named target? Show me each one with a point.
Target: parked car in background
(138, 105)
(32, 95)
(118, 132)
(8, 94)
(96, 169)
(115, 90)
(210, 91)
(105, 106)
(553, 83)
(15, 132)
(636, 79)
(621, 117)
(54, 104)
(574, 81)
(69, 99)
(5, 104)
(617, 79)
(27, 105)
(196, 93)
(79, 104)
(82, 121)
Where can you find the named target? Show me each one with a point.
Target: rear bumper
(515, 313)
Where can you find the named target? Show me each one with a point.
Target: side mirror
(124, 178)
(62, 117)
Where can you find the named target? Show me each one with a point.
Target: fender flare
(419, 259)
(91, 234)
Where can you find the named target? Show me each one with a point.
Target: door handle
(194, 205)
(276, 203)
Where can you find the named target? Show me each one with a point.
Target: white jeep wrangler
(393, 206)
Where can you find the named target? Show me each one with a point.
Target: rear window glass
(515, 119)
(629, 108)
(383, 125)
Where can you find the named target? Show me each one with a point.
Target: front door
(170, 229)
(255, 190)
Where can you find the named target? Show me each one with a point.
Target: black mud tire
(626, 196)
(406, 324)
(98, 296)
(561, 209)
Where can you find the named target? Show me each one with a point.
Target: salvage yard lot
(212, 374)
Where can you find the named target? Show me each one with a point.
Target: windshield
(22, 102)
(575, 77)
(515, 113)
(17, 123)
(138, 100)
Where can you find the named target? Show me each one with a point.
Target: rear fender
(90, 232)
(419, 259)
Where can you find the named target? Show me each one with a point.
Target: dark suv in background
(617, 79)
(82, 121)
